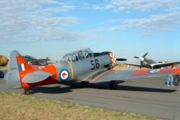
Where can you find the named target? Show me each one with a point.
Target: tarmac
(150, 97)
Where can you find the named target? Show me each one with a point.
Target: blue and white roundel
(64, 74)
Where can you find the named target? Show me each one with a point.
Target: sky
(53, 28)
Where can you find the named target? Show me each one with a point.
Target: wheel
(27, 91)
(84, 84)
(113, 84)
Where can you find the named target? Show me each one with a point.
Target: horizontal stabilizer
(36, 76)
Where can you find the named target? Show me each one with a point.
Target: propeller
(141, 58)
(145, 54)
(136, 57)
(121, 59)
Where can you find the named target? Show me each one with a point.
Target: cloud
(155, 23)
(150, 24)
(139, 5)
(151, 15)
(35, 20)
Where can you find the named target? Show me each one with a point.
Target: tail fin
(20, 71)
(18, 67)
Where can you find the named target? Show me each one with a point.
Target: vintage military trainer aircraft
(149, 63)
(82, 65)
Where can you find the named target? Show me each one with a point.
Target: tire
(27, 91)
(113, 84)
(85, 84)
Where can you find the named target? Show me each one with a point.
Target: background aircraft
(82, 65)
(3, 63)
(3, 60)
(149, 63)
(35, 61)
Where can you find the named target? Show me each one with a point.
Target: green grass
(21, 107)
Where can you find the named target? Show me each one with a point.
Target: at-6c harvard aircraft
(83, 65)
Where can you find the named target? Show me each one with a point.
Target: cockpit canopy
(78, 55)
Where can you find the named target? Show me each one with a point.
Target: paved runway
(144, 96)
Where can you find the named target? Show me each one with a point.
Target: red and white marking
(64, 75)
(113, 58)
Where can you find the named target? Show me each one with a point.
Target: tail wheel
(113, 84)
(27, 91)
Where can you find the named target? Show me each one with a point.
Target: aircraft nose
(113, 58)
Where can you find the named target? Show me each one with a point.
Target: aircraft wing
(159, 65)
(156, 65)
(123, 75)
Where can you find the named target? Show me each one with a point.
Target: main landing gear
(85, 84)
(113, 84)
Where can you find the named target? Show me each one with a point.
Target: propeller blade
(121, 59)
(136, 57)
(145, 54)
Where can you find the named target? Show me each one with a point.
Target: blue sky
(54, 27)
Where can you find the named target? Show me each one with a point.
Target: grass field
(21, 107)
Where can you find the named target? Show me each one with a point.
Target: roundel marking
(64, 74)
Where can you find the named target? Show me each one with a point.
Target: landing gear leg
(27, 91)
(113, 84)
(85, 84)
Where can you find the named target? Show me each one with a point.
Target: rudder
(17, 68)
